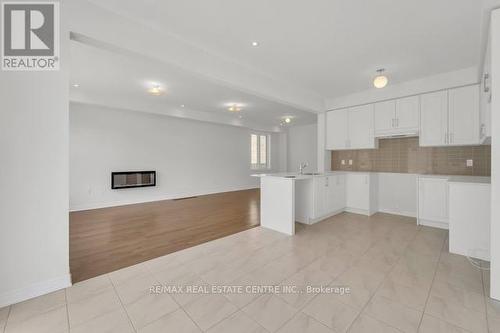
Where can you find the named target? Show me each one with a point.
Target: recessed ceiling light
(75, 85)
(182, 105)
(255, 43)
(288, 120)
(380, 81)
(155, 90)
(234, 108)
(240, 116)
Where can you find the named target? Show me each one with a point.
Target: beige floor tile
(333, 263)
(52, 321)
(367, 324)
(308, 276)
(91, 307)
(493, 307)
(331, 312)
(457, 315)
(238, 322)
(394, 314)
(135, 288)
(111, 322)
(150, 307)
(494, 324)
(4, 313)
(88, 288)
(270, 311)
(37, 306)
(176, 321)
(302, 323)
(362, 284)
(411, 297)
(122, 275)
(454, 294)
(209, 309)
(434, 325)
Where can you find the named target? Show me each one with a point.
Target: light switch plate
(470, 163)
(350, 162)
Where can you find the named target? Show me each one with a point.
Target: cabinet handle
(445, 137)
(451, 137)
(485, 85)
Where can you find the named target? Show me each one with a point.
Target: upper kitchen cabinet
(336, 130)
(434, 119)
(407, 115)
(361, 127)
(450, 118)
(463, 116)
(351, 128)
(385, 114)
(397, 117)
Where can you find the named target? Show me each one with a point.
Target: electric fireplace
(131, 179)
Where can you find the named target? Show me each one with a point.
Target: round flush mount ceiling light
(234, 108)
(155, 90)
(380, 81)
(255, 43)
(288, 120)
(75, 85)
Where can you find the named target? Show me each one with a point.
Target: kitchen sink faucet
(302, 166)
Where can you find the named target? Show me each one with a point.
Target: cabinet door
(433, 199)
(358, 191)
(407, 113)
(361, 127)
(336, 129)
(319, 197)
(337, 192)
(385, 115)
(464, 115)
(433, 119)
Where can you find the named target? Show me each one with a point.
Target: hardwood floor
(104, 240)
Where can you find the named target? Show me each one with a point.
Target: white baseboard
(434, 224)
(393, 212)
(357, 211)
(76, 208)
(312, 221)
(35, 290)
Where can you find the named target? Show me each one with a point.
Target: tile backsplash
(403, 155)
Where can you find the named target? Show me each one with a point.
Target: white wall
(495, 155)
(190, 157)
(302, 145)
(34, 181)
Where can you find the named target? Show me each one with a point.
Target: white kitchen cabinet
(319, 197)
(385, 113)
(433, 202)
(351, 128)
(450, 117)
(433, 119)
(361, 127)
(361, 193)
(407, 115)
(485, 97)
(337, 130)
(463, 116)
(335, 193)
(397, 117)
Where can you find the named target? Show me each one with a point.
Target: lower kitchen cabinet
(361, 193)
(433, 202)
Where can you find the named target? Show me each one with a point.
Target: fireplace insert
(131, 179)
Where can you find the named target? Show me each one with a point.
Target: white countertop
(450, 178)
(470, 179)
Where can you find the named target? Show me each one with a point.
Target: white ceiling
(332, 47)
(108, 77)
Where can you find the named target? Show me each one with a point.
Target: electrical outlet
(342, 162)
(350, 162)
(470, 163)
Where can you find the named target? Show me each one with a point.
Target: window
(259, 151)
